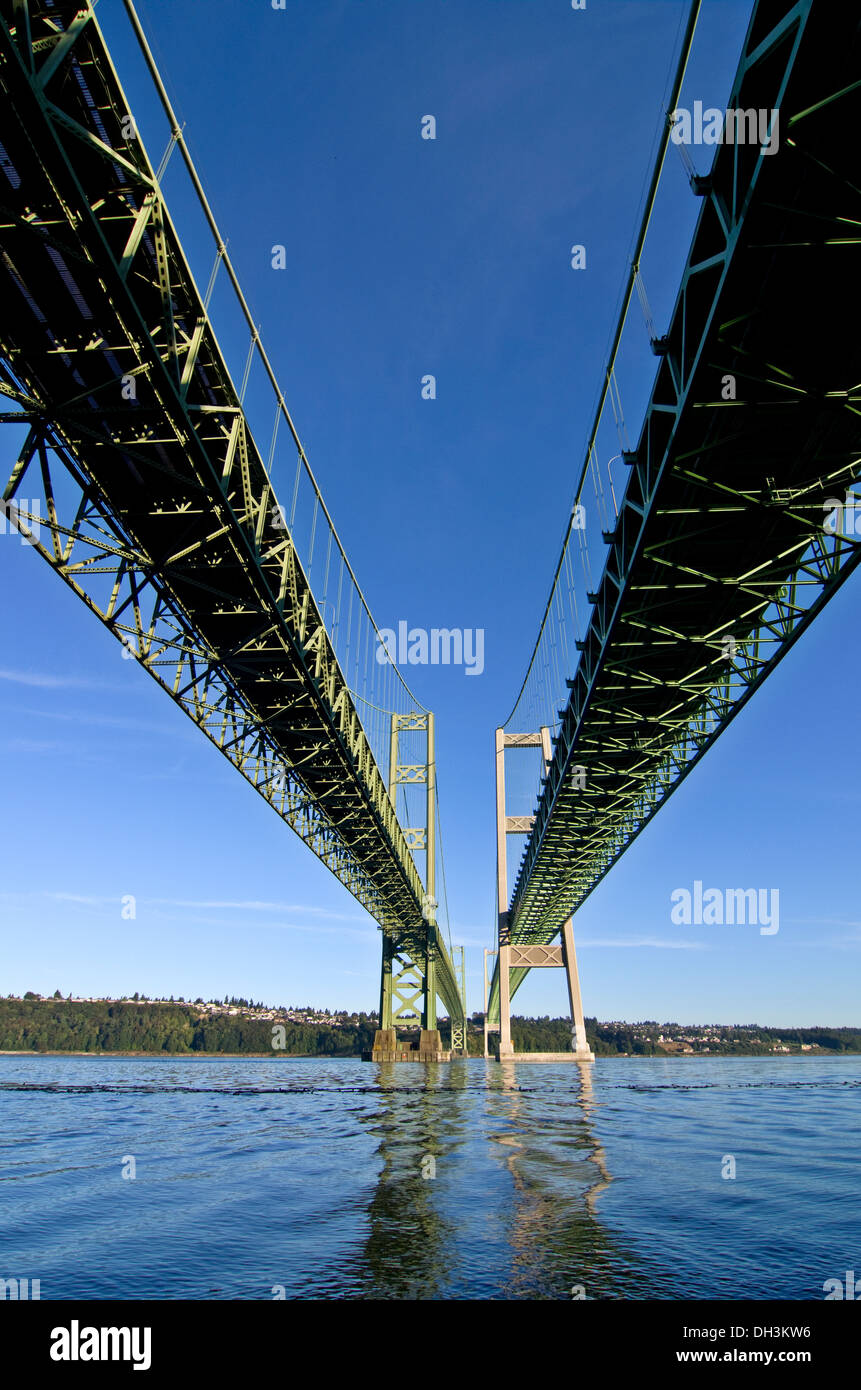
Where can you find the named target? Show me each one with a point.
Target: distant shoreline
(59, 1027)
(475, 1057)
(273, 1056)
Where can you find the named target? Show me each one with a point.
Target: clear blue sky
(407, 257)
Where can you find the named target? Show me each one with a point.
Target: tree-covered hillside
(61, 1025)
(34, 1024)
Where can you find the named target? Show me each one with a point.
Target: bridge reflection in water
(490, 1185)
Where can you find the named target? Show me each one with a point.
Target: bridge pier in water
(408, 996)
(523, 957)
(409, 983)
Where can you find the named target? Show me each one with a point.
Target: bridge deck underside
(719, 559)
(175, 499)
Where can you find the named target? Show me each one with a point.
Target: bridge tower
(524, 957)
(408, 991)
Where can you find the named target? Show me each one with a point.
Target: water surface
(334, 1178)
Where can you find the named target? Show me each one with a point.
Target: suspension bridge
(180, 507)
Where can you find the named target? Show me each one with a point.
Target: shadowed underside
(719, 558)
(139, 463)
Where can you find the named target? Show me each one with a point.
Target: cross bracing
(140, 482)
(725, 543)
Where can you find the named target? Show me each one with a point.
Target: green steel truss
(153, 502)
(408, 978)
(722, 554)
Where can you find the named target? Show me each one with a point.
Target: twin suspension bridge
(180, 507)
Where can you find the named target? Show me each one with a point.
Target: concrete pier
(387, 1048)
(546, 1057)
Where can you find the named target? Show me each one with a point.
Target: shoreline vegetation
(341, 1056)
(135, 1026)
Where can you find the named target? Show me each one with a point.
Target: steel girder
(154, 497)
(720, 558)
(408, 985)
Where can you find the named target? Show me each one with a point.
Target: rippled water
(310, 1175)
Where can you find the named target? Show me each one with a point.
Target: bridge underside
(721, 557)
(139, 480)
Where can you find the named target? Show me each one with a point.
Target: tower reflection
(489, 1186)
(548, 1143)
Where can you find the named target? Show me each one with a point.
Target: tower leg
(579, 1044)
(506, 1048)
(386, 1020)
(504, 958)
(429, 1001)
(429, 1009)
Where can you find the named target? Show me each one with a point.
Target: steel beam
(721, 556)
